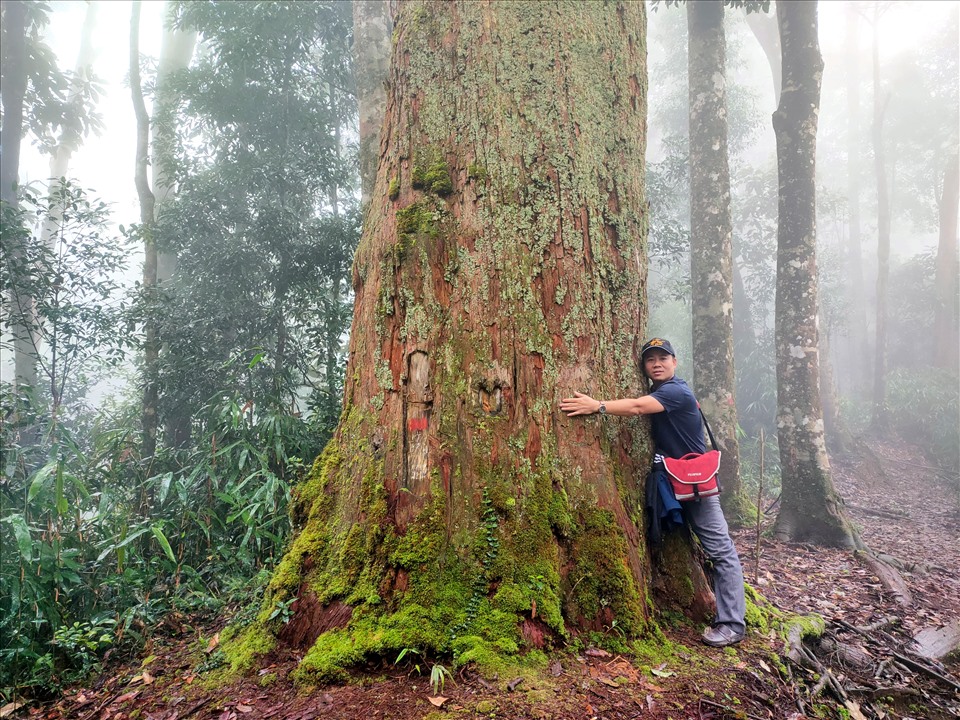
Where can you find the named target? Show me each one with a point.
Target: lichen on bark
(810, 507)
(711, 242)
(502, 266)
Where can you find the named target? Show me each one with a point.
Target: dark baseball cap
(657, 344)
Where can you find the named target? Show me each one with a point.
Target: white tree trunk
(810, 509)
(176, 52)
(711, 252)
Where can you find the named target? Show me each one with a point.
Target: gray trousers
(707, 520)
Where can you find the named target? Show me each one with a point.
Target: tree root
(890, 515)
(874, 667)
(889, 576)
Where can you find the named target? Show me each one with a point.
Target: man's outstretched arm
(581, 404)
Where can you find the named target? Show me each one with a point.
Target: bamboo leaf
(164, 543)
(123, 543)
(22, 532)
(40, 479)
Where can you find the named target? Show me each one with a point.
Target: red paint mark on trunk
(417, 423)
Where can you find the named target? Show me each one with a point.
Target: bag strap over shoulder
(713, 440)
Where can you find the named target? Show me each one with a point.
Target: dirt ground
(901, 508)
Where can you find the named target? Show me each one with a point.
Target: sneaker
(721, 636)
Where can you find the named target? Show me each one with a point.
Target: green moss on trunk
(502, 266)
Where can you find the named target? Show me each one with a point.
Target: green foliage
(102, 538)
(922, 402)
(924, 407)
(922, 119)
(755, 223)
(104, 541)
(438, 678)
(265, 221)
(65, 290)
(58, 104)
(911, 284)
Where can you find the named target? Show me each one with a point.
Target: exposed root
(871, 665)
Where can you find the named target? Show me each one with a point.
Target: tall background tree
(856, 351)
(810, 508)
(12, 92)
(880, 100)
(711, 238)
(176, 51)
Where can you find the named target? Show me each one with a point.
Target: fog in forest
(918, 123)
(177, 314)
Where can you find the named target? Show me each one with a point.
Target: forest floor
(868, 667)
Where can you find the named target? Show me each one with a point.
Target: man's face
(659, 365)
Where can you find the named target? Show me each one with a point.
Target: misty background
(255, 322)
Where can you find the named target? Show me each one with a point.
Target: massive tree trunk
(810, 509)
(946, 322)
(711, 232)
(880, 420)
(12, 96)
(371, 59)
(856, 357)
(502, 266)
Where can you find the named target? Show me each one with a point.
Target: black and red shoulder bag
(696, 475)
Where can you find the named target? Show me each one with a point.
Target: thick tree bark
(946, 323)
(810, 509)
(711, 233)
(501, 267)
(880, 421)
(856, 358)
(12, 96)
(371, 60)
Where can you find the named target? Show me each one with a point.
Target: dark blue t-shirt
(678, 430)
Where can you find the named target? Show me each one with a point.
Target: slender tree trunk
(176, 51)
(711, 252)
(12, 96)
(835, 430)
(147, 206)
(83, 70)
(745, 342)
(946, 322)
(857, 359)
(456, 510)
(880, 421)
(810, 509)
(371, 60)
